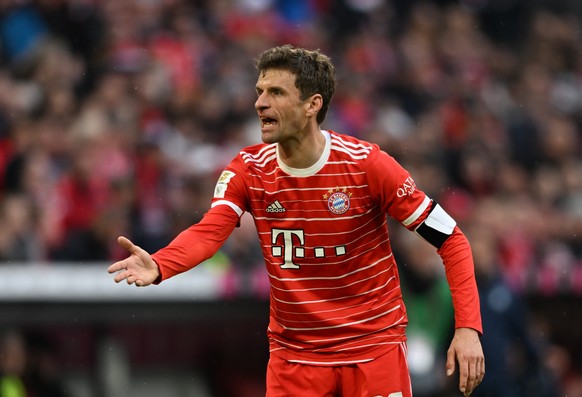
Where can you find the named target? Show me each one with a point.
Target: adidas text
(275, 207)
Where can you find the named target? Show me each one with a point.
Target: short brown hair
(314, 71)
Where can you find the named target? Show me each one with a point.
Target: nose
(261, 102)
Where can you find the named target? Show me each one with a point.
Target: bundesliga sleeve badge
(222, 184)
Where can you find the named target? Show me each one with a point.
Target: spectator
(18, 241)
(12, 364)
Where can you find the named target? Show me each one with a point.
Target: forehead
(276, 77)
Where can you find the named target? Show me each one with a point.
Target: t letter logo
(289, 249)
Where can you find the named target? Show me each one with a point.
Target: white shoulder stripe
(418, 212)
(356, 150)
(262, 161)
(345, 143)
(258, 157)
(352, 154)
(260, 152)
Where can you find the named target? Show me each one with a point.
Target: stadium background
(117, 116)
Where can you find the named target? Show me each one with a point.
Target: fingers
(130, 279)
(120, 276)
(466, 378)
(124, 274)
(471, 370)
(136, 269)
(479, 372)
(466, 352)
(471, 374)
(117, 266)
(121, 270)
(137, 282)
(450, 365)
(121, 265)
(463, 377)
(140, 283)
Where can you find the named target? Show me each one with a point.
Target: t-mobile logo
(293, 246)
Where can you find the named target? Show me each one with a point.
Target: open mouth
(268, 122)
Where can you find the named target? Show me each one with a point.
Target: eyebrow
(270, 88)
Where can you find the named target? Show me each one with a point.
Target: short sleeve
(231, 187)
(395, 190)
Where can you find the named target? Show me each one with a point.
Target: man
(319, 200)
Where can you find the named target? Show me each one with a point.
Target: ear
(313, 104)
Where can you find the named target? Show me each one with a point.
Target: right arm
(191, 247)
(197, 243)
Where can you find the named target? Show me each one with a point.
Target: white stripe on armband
(437, 227)
(438, 219)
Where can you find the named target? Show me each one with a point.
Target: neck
(304, 151)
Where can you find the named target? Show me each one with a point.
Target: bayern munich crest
(338, 200)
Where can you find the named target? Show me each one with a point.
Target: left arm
(465, 348)
(402, 200)
(439, 229)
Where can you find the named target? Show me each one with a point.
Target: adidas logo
(275, 207)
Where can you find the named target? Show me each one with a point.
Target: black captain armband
(437, 227)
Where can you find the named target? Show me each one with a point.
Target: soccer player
(319, 200)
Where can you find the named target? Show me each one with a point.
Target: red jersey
(335, 290)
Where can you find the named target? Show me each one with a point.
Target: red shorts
(386, 376)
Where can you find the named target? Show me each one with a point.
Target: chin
(269, 138)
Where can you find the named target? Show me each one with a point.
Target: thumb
(450, 365)
(127, 244)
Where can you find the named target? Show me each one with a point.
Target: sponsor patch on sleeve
(222, 184)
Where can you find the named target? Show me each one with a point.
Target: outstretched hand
(138, 268)
(466, 350)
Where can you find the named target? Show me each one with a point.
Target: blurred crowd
(116, 117)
